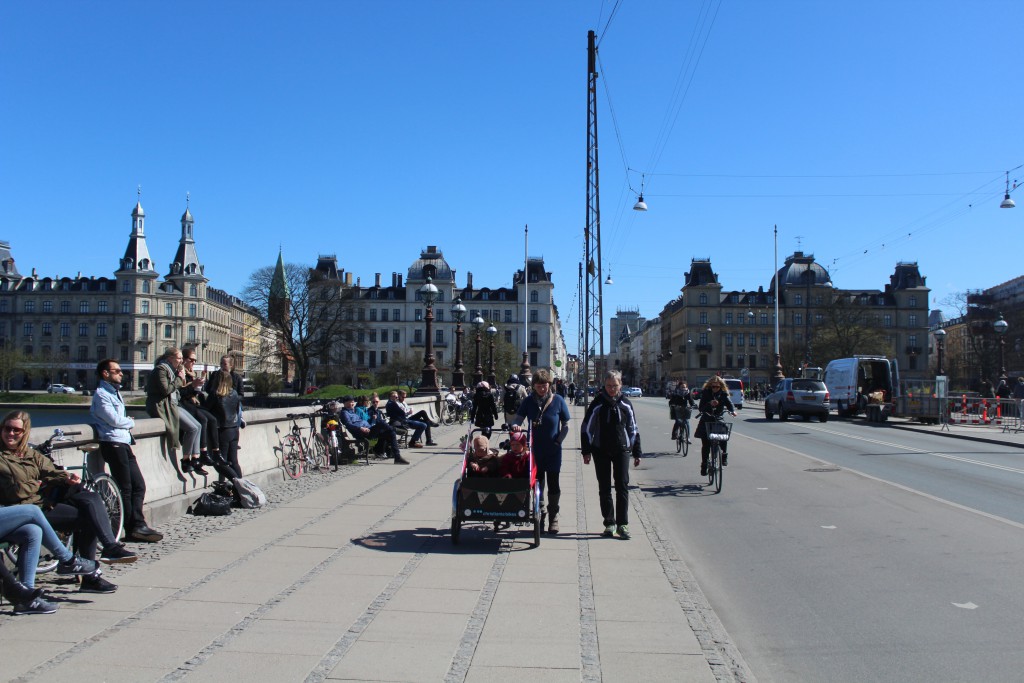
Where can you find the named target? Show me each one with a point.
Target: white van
(868, 384)
(735, 387)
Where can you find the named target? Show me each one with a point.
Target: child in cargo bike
(515, 464)
(482, 460)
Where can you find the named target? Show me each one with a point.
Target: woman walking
(610, 435)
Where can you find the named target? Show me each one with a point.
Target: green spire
(279, 296)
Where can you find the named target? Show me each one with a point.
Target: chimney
(376, 280)
(399, 280)
(348, 279)
(469, 281)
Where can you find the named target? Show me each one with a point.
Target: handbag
(210, 504)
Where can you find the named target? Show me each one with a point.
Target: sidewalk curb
(951, 435)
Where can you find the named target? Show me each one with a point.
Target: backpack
(512, 401)
(249, 494)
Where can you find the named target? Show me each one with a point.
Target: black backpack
(511, 404)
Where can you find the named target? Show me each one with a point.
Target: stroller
(488, 500)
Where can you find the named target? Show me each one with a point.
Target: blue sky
(869, 132)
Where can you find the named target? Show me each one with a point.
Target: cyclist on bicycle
(714, 400)
(681, 404)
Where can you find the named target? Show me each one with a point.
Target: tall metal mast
(593, 326)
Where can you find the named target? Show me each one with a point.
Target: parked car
(735, 387)
(633, 392)
(795, 396)
(60, 389)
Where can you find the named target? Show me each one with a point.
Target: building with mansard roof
(390, 316)
(709, 329)
(63, 326)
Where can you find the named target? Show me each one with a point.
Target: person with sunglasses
(714, 400)
(29, 477)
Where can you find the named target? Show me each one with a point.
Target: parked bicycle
(309, 455)
(100, 483)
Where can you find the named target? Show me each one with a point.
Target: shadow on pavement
(431, 541)
(676, 490)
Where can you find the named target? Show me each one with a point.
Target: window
(739, 339)
(439, 314)
(798, 319)
(394, 336)
(703, 339)
(3, 304)
(819, 318)
(361, 337)
(83, 354)
(728, 318)
(703, 361)
(508, 315)
(124, 354)
(373, 355)
(360, 357)
(144, 307)
(534, 297)
(145, 286)
(703, 299)
(417, 336)
(703, 317)
(145, 331)
(735, 298)
(101, 351)
(753, 339)
(47, 307)
(384, 335)
(384, 316)
(798, 299)
(439, 357)
(533, 338)
(143, 353)
(418, 315)
(83, 306)
(65, 329)
(728, 360)
(168, 310)
(508, 336)
(764, 318)
(728, 338)
(193, 290)
(439, 337)
(913, 302)
(83, 330)
(739, 360)
(864, 299)
(383, 357)
(396, 314)
(360, 314)
(764, 341)
(753, 362)
(533, 315)
(30, 306)
(101, 329)
(168, 332)
(192, 308)
(65, 306)
(192, 334)
(887, 320)
(101, 307)
(373, 315)
(912, 320)
(913, 340)
(126, 286)
(47, 329)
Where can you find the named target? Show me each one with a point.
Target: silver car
(794, 396)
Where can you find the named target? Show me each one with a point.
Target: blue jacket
(109, 415)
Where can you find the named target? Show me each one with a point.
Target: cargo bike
(486, 500)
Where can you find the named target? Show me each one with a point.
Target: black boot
(15, 591)
(704, 467)
(186, 466)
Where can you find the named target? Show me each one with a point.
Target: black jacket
(609, 426)
(705, 407)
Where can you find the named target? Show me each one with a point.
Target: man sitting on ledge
(378, 429)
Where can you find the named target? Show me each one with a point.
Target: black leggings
(229, 449)
(705, 448)
(83, 513)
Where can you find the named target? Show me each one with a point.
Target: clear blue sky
(869, 132)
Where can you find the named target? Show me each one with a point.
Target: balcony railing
(703, 347)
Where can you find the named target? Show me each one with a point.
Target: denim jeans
(26, 526)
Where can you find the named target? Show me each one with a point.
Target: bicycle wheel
(110, 493)
(47, 560)
(719, 471)
(712, 463)
(686, 437)
(316, 461)
(291, 456)
(679, 442)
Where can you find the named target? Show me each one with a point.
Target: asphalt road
(849, 552)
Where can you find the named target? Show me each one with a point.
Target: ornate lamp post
(940, 338)
(478, 374)
(1000, 326)
(492, 332)
(458, 376)
(428, 385)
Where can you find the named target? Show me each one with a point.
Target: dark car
(794, 396)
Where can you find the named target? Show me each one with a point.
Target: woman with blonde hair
(714, 400)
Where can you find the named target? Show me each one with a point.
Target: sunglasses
(13, 430)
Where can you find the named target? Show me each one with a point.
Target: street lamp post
(492, 332)
(478, 374)
(428, 385)
(1000, 326)
(458, 376)
(940, 338)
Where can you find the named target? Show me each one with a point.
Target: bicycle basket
(718, 431)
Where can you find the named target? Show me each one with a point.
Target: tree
(11, 360)
(848, 329)
(314, 319)
(265, 383)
